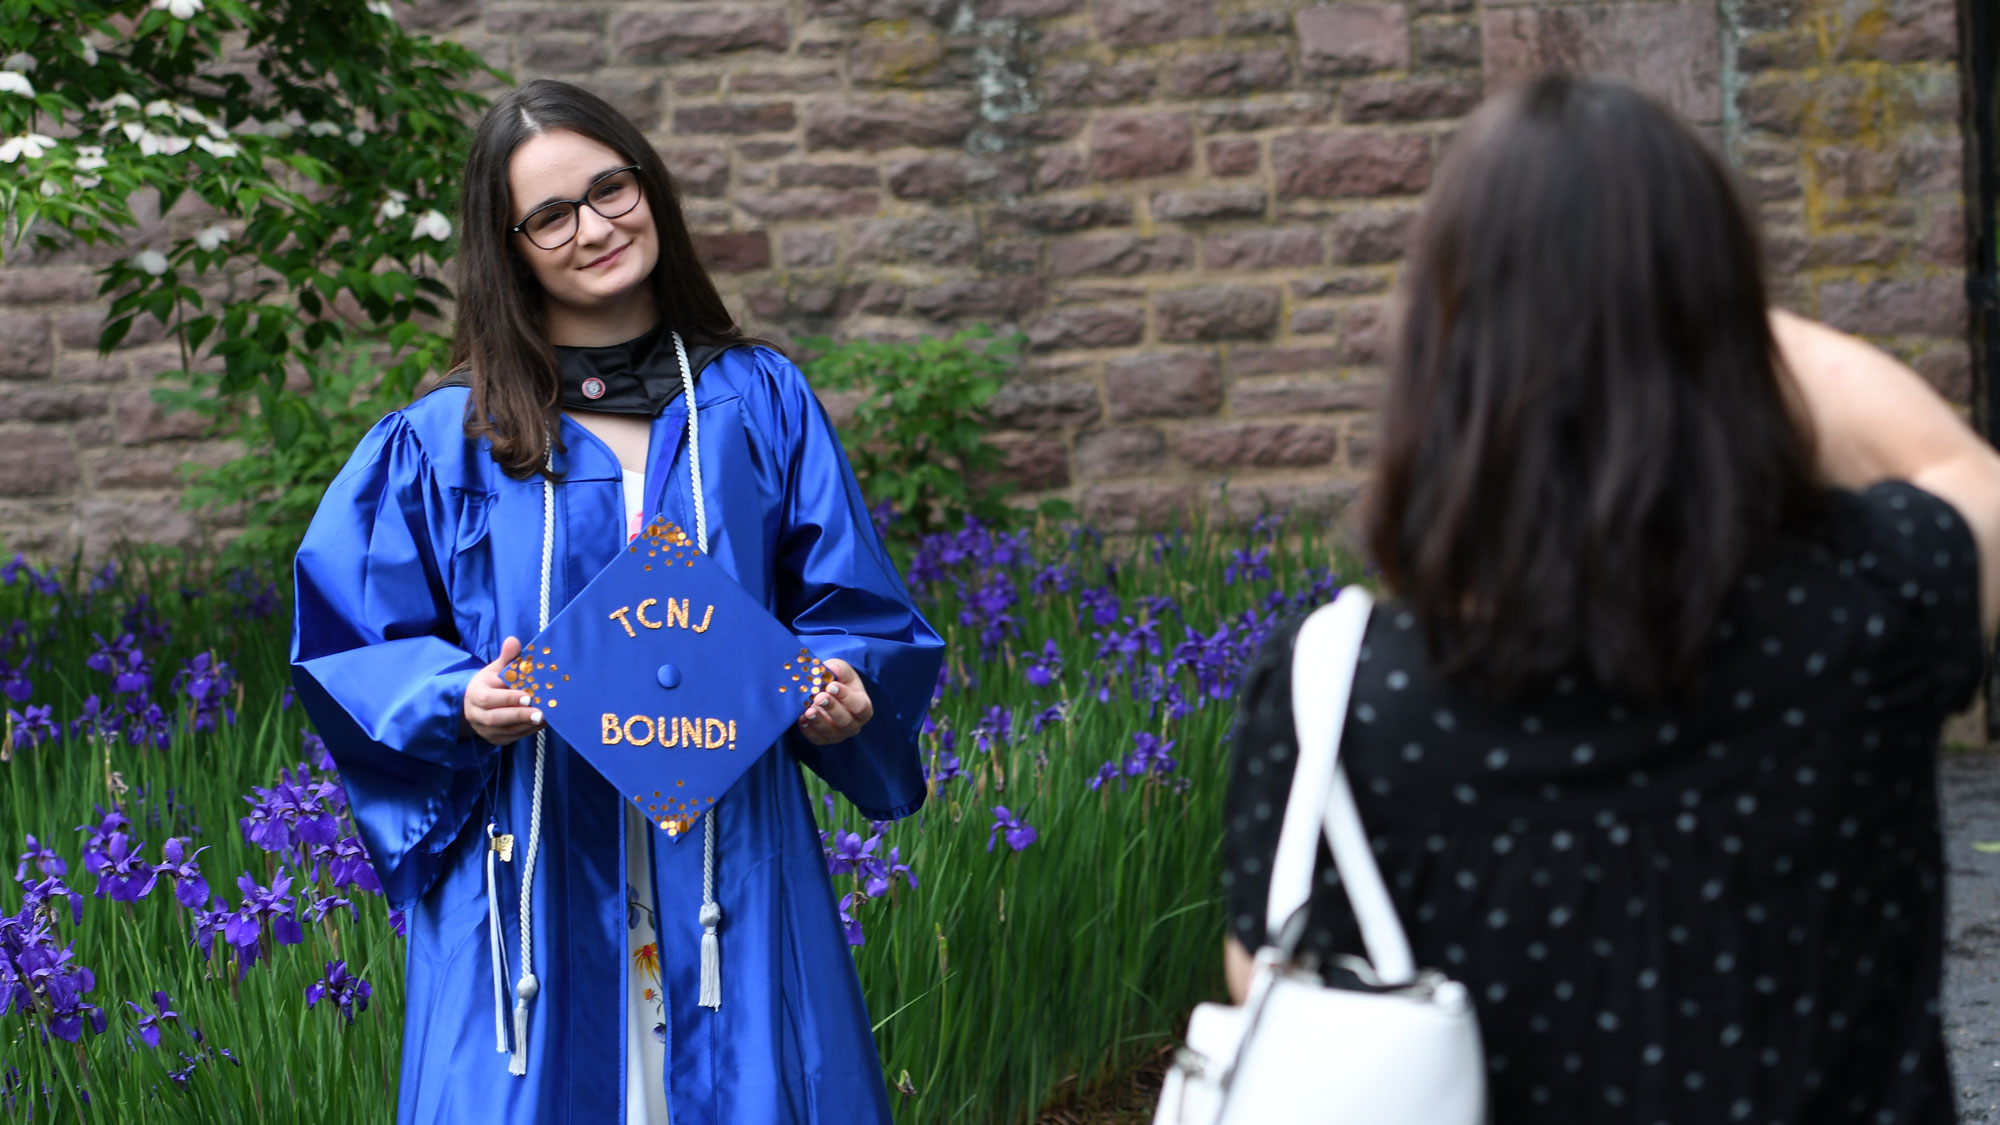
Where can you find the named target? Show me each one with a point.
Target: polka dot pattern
(1726, 910)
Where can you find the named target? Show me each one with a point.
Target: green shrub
(918, 438)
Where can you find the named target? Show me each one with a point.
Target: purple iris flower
(1247, 564)
(1048, 715)
(190, 888)
(149, 1022)
(882, 515)
(14, 682)
(95, 719)
(323, 905)
(131, 673)
(851, 925)
(885, 872)
(287, 698)
(35, 727)
(207, 924)
(946, 764)
(46, 897)
(1106, 772)
(996, 729)
(849, 853)
(316, 751)
(1058, 577)
(13, 569)
(1149, 755)
(45, 861)
(123, 873)
(1102, 604)
(349, 866)
(259, 903)
(398, 923)
(94, 845)
(39, 975)
(1043, 671)
(206, 682)
(105, 578)
(345, 990)
(1019, 833)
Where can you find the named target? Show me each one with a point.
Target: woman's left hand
(841, 708)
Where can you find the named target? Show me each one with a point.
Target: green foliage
(293, 445)
(321, 144)
(1003, 983)
(918, 437)
(292, 1064)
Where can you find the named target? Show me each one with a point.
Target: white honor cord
(711, 911)
(528, 986)
(496, 943)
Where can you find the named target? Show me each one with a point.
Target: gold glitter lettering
(705, 619)
(640, 613)
(618, 615)
(610, 734)
(635, 739)
(677, 612)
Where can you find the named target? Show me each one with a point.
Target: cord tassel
(711, 956)
(497, 946)
(524, 993)
(711, 911)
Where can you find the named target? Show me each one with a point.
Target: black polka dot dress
(1730, 911)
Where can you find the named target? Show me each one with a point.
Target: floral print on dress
(646, 957)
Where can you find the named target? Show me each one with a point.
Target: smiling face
(597, 283)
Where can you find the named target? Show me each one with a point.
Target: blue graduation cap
(668, 677)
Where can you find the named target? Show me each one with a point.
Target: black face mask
(640, 376)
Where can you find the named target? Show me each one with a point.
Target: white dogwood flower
(120, 100)
(21, 62)
(381, 8)
(28, 145)
(432, 224)
(14, 82)
(89, 55)
(157, 144)
(209, 238)
(160, 107)
(89, 158)
(179, 9)
(221, 150)
(323, 129)
(392, 208)
(150, 261)
(356, 137)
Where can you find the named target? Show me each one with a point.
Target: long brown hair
(1586, 438)
(500, 335)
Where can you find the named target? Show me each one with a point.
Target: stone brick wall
(1193, 208)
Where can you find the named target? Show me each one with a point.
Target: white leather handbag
(1401, 1048)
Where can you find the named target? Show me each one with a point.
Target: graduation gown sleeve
(837, 588)
(376, 659)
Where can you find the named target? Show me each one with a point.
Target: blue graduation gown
(423, 556)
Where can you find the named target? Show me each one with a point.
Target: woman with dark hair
(1680, 592)
(590, 341)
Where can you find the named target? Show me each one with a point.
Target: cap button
(670, 676)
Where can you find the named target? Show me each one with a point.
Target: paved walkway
(1971, 788)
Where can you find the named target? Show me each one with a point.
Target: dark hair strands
(1587, 440)
(499, 337)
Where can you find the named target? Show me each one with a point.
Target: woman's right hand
(495, 712)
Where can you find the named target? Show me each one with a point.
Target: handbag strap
(1323, 665)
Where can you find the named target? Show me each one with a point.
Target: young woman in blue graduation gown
(422, 572)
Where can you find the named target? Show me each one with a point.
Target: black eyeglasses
(553, 224)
